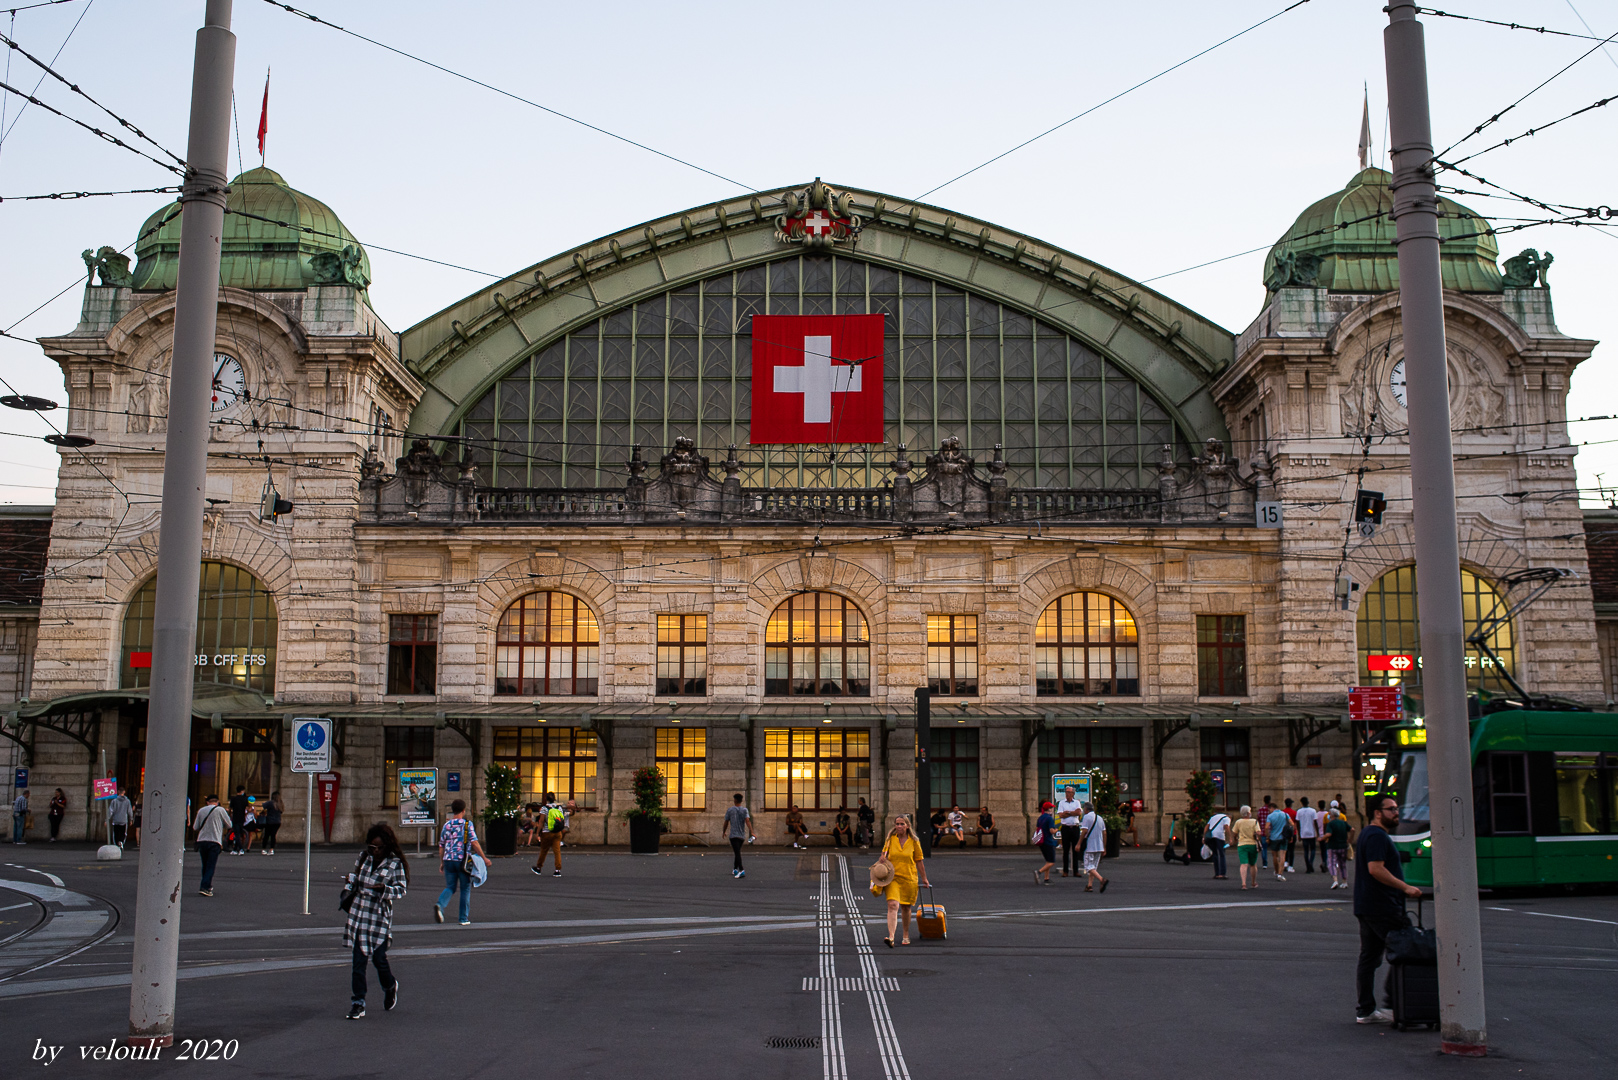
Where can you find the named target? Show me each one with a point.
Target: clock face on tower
(229, 382)
(1396, 384)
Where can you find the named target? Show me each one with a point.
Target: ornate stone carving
(817, 217)
(951, 485)
(683, 469)
(1294, 269)
(1524, 268)
(416, 469)
(110, 264)
(371, 466)
(331, 268)
(1482, 403)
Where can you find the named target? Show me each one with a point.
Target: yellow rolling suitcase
(930, 918)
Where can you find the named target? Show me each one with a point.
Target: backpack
(555, 819)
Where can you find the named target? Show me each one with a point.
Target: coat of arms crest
(817, 217)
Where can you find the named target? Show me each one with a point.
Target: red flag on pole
(264, 116)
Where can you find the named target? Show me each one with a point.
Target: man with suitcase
(1379, 904)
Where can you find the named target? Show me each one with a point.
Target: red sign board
(1391, 662)
(140, 660)
(327, 785)
(817, 379)
(1383, 703)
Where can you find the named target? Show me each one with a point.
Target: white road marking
(833, 1062)
(1151, 907)
(1548, 915)
(14, 907)
(52, 878)
(887, 1039)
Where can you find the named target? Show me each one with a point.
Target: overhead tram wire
(65, 196)
(125, 124)
(40, 4)
(1097, 106)
(513, 96)
(1437, 14)
(6, 133)
(113, 139)
(1530, 132)
(374, 247)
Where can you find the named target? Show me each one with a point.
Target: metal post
(1438, 572)
(179, 560)
(308, 838)
(924, 772)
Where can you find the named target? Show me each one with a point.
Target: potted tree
(647, 822)
(502, 801)
(1104, 796)
(1199, 792)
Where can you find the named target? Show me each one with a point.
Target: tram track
(70, 922)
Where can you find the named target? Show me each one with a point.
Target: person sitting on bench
(987, 827)
(842, 833)
(957, 826)
(795, 826)
(938, 823)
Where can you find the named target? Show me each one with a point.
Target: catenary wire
(6, 134)
(113, 139)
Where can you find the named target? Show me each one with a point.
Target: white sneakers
(1381, 1016)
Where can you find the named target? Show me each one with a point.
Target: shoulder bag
(468, 867)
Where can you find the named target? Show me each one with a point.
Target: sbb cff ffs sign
(1398, 662)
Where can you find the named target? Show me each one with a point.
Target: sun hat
(881, 875)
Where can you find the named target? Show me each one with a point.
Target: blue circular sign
(311, 736)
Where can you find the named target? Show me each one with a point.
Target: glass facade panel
(236, 631)
(1389, 624)
(1227, 749)
(1222, 655)
(952, 655)
(412, 654)
(547, 643)
(682, 654)
(682, 755)
(558, 760)
(817, 644)
(1085, 643)
(957, 363)
(816, 768)
(953, 761)
(1111, 750)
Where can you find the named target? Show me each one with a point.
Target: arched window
(547, 643)
(236, 631)
(1085, 643)
(1390, 625)
(816, 643)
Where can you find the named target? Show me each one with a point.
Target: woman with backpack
(457, 841)
(379, 878)
(1045, 840)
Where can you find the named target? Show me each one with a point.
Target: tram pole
(1438, 569)
(168, 740)
(924, 772)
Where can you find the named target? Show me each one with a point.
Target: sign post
(311, 754)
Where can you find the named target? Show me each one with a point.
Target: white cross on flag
(817, 379)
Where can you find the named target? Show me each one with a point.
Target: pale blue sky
(1216, 158)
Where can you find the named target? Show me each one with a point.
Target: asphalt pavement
(667, 966)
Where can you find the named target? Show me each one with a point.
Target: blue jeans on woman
(456, 879)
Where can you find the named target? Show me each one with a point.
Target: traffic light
(273, 506)
(1368, 507)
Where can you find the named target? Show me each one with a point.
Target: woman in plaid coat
(378, 879)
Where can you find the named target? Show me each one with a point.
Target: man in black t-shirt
(238, 820)
(1379, 903)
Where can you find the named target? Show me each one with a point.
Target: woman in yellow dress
(902, 851)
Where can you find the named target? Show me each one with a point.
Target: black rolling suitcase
(1413, 958)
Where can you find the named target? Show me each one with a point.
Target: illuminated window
(816, 643)
(816, 768)
(682, 755)
(547, 643)
(560, 760)
(952, 655)
(1085, 643)
(1389, 623)
(236, 630)
(682, 654)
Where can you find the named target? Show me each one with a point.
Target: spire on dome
(1365, 133)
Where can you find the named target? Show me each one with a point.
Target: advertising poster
(1078, 781)
(104, 789)
(418, 798)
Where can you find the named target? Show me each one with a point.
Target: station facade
(542, 528)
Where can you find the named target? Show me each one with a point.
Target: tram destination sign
(1379, 703)
(311, 745)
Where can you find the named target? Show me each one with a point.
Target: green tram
(1544, 791)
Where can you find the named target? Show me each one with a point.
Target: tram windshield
(1406, 779)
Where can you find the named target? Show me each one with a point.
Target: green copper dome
(313, 248)
(1322, 251)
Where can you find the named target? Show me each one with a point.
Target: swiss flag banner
(817, 379)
